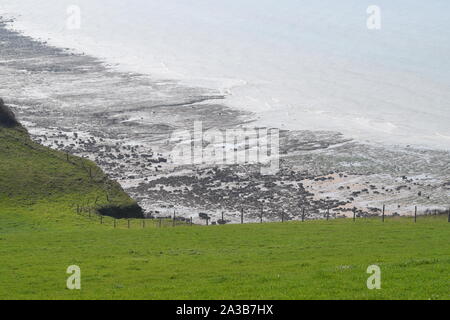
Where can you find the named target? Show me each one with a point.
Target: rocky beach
(124, 121)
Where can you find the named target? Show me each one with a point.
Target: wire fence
(153, 222)
(175, 221)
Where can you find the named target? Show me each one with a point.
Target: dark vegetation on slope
(31, 173)
(7, 118)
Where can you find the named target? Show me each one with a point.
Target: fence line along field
(173, 220)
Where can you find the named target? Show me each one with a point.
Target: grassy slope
(31, 174)
(40, 238)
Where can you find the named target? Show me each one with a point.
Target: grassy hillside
(41, 235)
(31, 174)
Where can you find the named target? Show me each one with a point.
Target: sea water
(296, 64)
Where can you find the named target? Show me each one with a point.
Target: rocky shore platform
(124, 121)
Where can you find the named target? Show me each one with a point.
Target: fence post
(354, 214)
(207, 221)
(303, 214)
(415, 214)
(384, 209)
(173, 222)
(282, 216)
(191, 221)
(328, 214)
(262, 212)
(448, 215)
(101, 219)
(222, 217)
(242, 216)
(114, 223)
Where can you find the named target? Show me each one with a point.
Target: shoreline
(87, 114)
(399, 129)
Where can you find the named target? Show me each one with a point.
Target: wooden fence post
(448, 215)
(384, 209)
(262, 212)
(328, 214)
(173, 222)
(354, 214)
(282, 216)
(101, 219)
(303, 214)
(415, 214)
(242, 216)
(191, 222)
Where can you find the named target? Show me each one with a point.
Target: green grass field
(41, 235)
(311, 260)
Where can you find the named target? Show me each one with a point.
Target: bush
(132, 211)
(7, 117)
